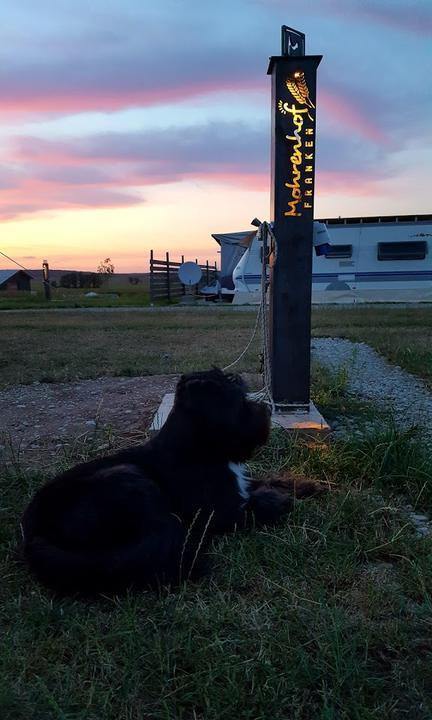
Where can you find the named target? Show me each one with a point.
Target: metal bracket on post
(293, 42)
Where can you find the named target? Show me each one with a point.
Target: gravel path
(38, 419)
(405, 397)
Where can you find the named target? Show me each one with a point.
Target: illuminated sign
(300, 111)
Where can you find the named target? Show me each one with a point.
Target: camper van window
(335, 252)
(402, 250)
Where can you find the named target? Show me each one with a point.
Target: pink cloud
(39, 195)
(255, 182)
(224, 152)
(102, 170)
(346, 183)
(26, 99)
(345, 112)
(33, 196)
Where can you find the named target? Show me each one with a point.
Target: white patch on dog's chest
(242, 477)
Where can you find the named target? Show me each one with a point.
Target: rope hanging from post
(265, 394)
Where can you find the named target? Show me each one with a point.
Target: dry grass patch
(56, 347)
(53, 347)
(326, 616)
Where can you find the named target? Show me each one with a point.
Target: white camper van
(371, 259)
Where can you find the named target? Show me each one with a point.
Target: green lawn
(51, 347)
(107, 296)
(327, 617)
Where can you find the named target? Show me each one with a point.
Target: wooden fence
(165, 283)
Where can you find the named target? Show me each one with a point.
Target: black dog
(143, 517)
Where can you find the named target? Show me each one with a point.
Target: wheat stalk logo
(299, 90)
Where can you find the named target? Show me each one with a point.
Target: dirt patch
(38, 419)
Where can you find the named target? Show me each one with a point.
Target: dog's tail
(64, 570)
(151, 562)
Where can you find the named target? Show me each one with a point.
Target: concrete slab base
(162, 412)
(306, 424)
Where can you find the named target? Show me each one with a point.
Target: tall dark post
(293, 178)
(46, 282)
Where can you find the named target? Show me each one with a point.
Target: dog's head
(225, 421)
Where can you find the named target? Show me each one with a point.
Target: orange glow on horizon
(181, 217)
(177, 219)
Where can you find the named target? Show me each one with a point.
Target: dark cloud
(99, 170)
(70, 175)
(9, 177)
(169, 152)
(413, 17)
(96, 197)
(63, 57)
(64, 198)
(78, 59)
(410, 17)
(98, 77)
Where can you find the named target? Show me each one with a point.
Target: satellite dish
(189, 273)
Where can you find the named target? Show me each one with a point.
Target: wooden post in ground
(151, 276)
(168, 278)
(46, 283)
(183, 287)
(293, 171)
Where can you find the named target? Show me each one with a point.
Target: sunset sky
(135, 124)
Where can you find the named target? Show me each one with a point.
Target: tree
(69, 280)
(105, 269)
(89, 280)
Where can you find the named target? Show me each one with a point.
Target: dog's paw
(291, 484)
(268, 506)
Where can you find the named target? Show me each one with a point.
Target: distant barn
(14, 280)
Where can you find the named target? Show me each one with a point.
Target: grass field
(109, 295)
(68, 346)
(327, 617)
